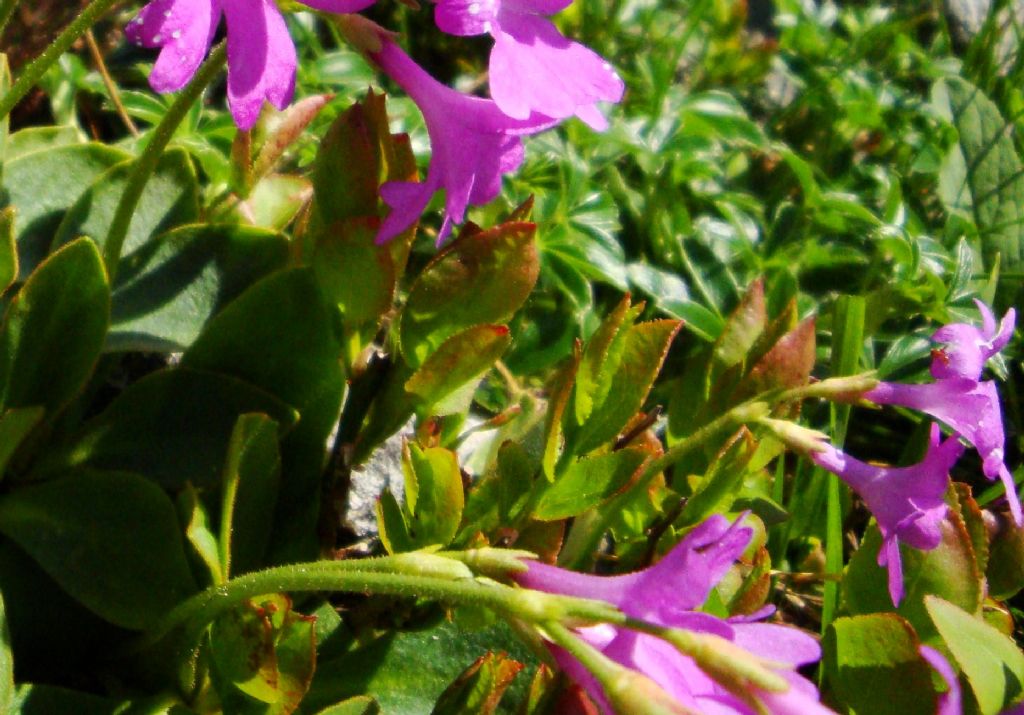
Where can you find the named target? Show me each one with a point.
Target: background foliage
(808, 189)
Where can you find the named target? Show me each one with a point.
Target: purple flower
(907, 502)
(533, 67)
(959, 398)
(967, 349)
(666, 594)
(261, 57)
(473, 144)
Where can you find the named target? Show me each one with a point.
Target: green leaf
(722, 482)
(281, 335)
(742, 329)
(8, 249)
(183, 417)
(265, 650)
(406, 672)
(111, 540)
(445, 381)
(275, 201)
(15, 426)
(252, 477)
(43, 185)
(983, 175)
(168, 290)
(205, 552)
(355, 272)
(479, 689)
(1006, 563)
(950, 570)
(993, 663)
(355, 155)
(353, 706)
(32, 139)
(588, 482)
(601, 358)
(392, 524)
(6, 663)
(874, 666)
(643, 352)
(482, 278)
(170, 199)
(560, 390)
(54, 328)
(434, 497)
(787, 364)
(278, 335)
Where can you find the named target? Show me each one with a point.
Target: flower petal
(261, 59)
(184, 29)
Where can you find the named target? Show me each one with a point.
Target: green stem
(585, 534)
(37, 68)
(383, 576)
(7, 8)
(150, 157)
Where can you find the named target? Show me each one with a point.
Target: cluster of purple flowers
(908, 502)
(667, 594)
(538, 78)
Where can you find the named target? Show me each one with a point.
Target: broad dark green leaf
(588, 482)
(406, 672)
(167, 290)
(32, 139)
(353, 706)
(170, 199)
(111, 540)
(54, 329)
(172, 426)
(874, 666)
(281, 335)
(15, 425)
(481, 278)
(992, 662)
(43, 185)
(252, 477)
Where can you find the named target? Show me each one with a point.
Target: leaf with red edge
(480, 687)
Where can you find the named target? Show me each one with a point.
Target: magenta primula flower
(473, 143)
(261, 56)
(666, 594)
(907, 502)
(533, 67)
(967, 349)
(957, 396)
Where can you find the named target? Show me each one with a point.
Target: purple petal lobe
(261, 59)
(183, 29)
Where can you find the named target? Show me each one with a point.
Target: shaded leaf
(54, 328)
(167, 290)
(479, 689)
(111, 540)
